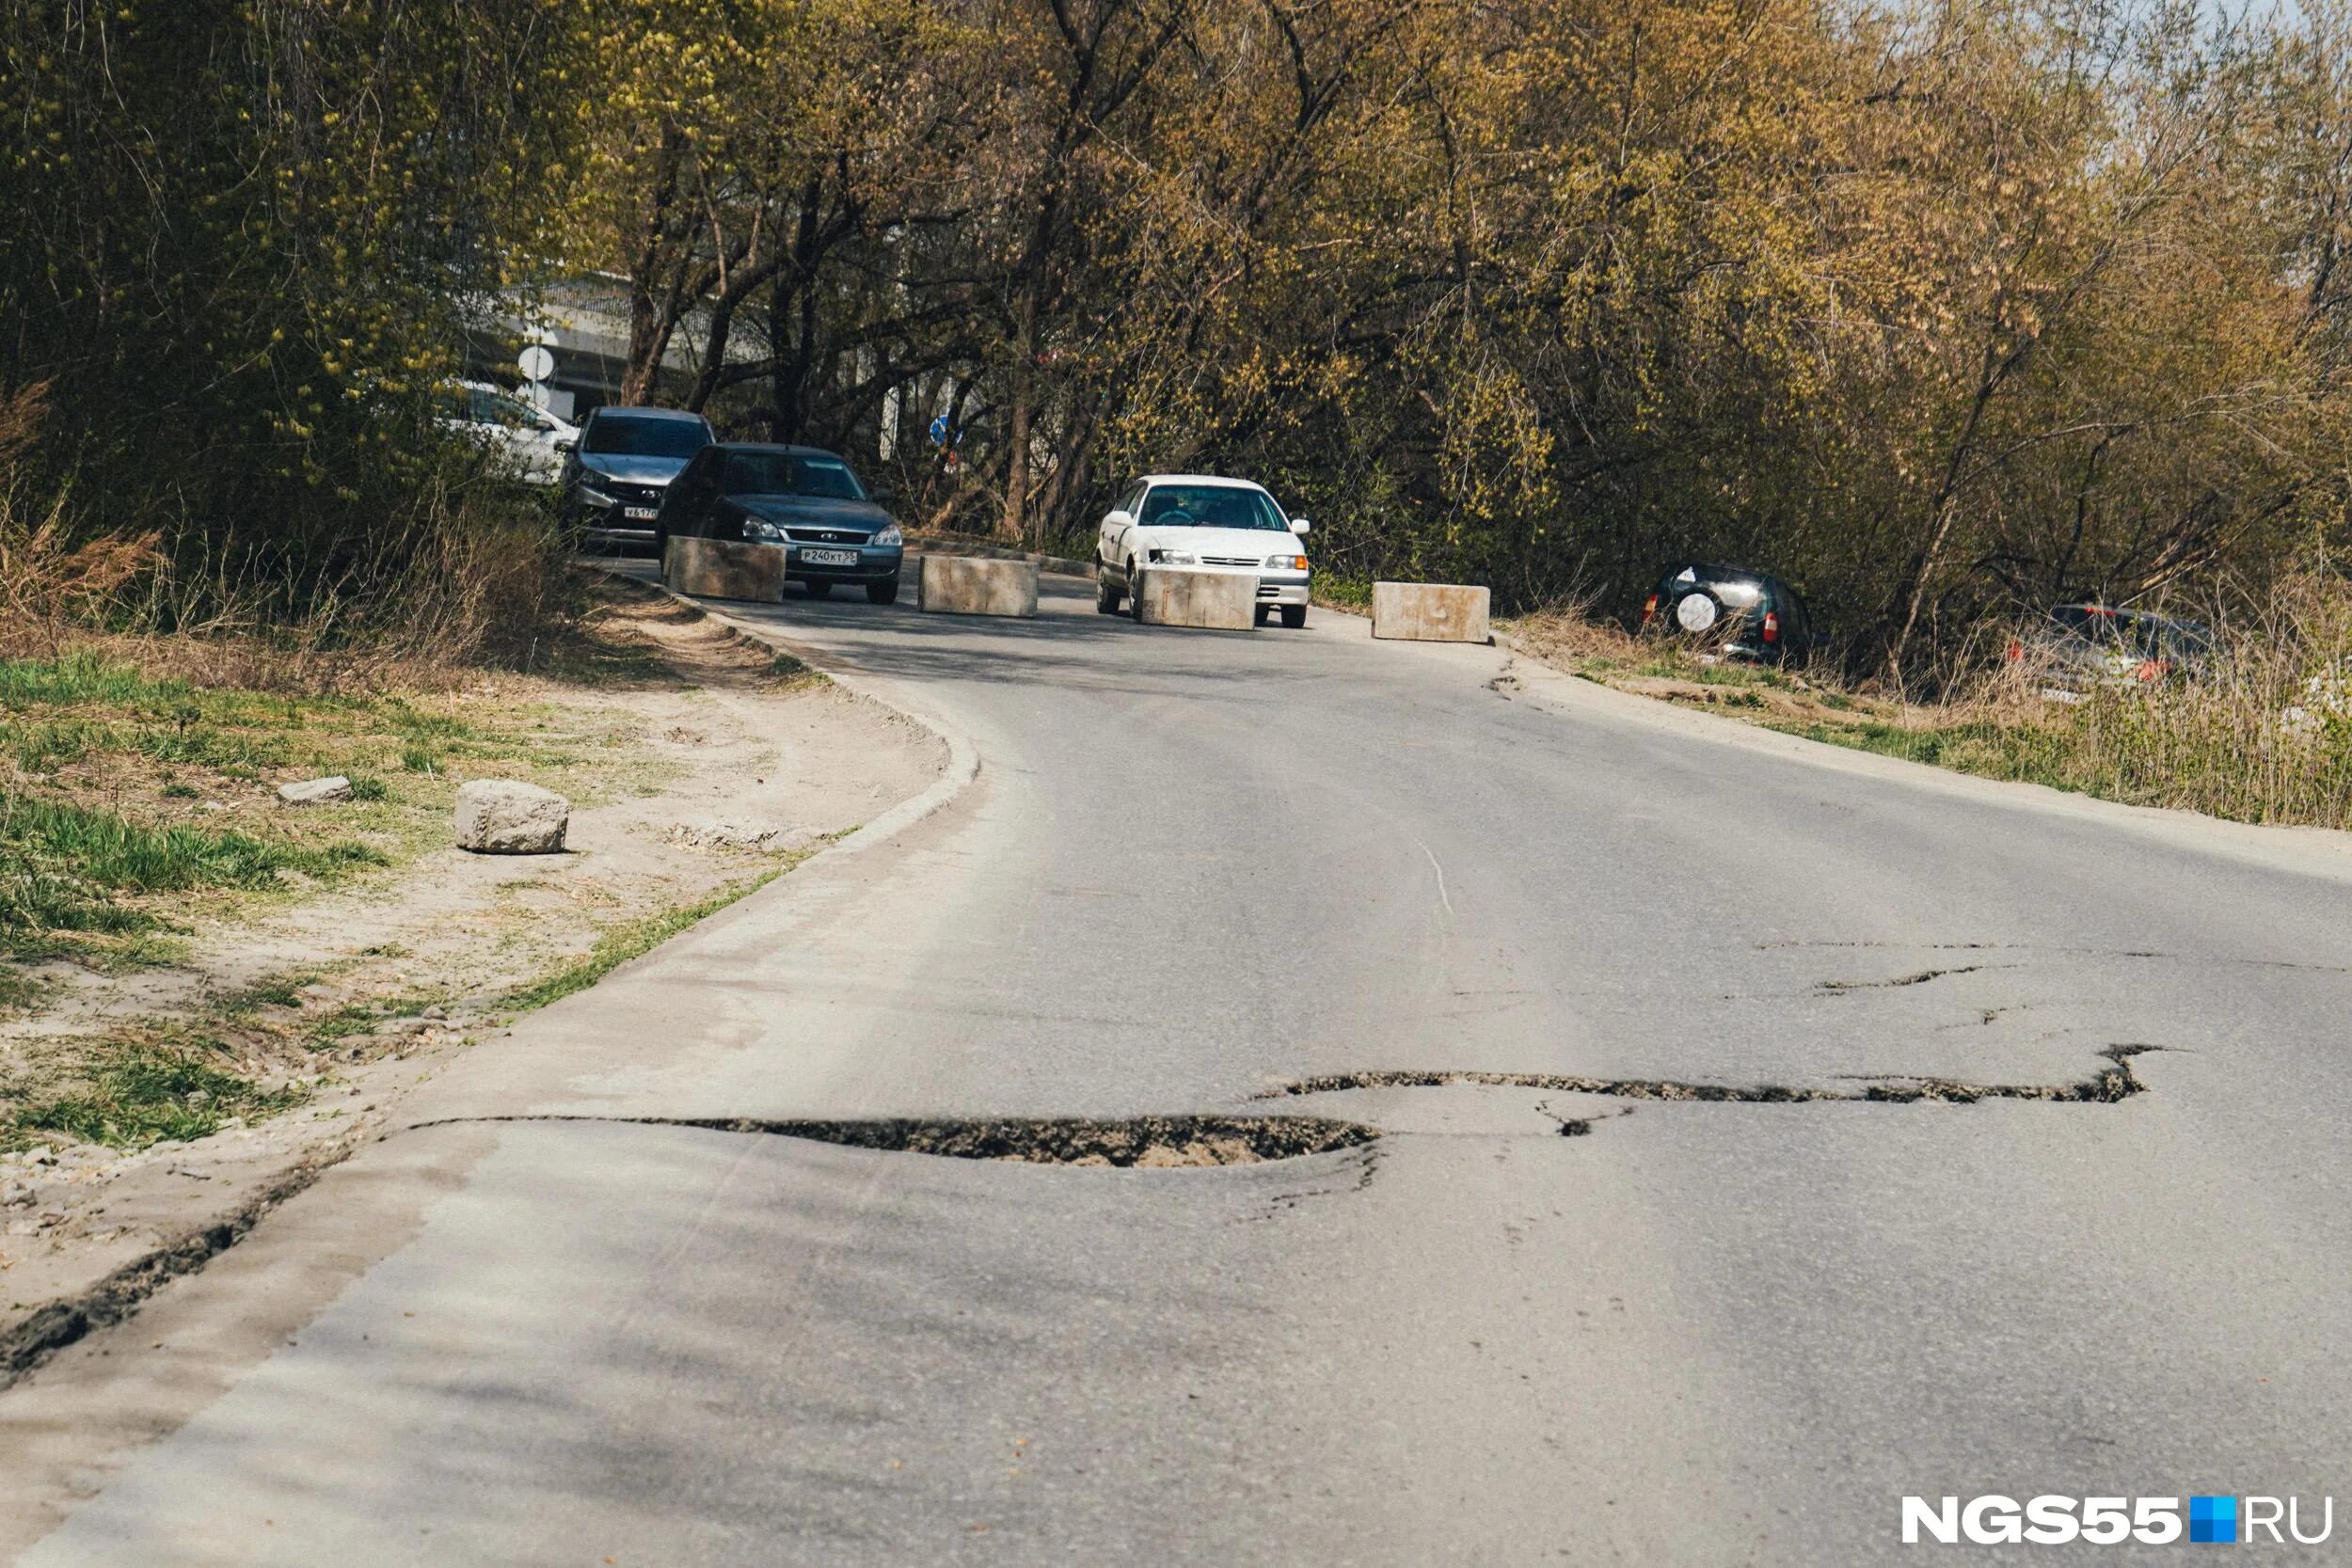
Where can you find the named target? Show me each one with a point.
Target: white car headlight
(1171, 558)
(889, 535)
(1286, 562)
(763, 531)
(595, 497)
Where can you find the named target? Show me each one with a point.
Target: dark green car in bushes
(1750, 616)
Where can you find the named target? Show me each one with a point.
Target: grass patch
(112, 851)
(618, 943)
(345, 1022)
(284, 991)
(80, 676)
(18, 992)
(80, 878)
(138, 1094)
(61, 865)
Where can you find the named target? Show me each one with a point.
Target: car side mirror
(1299, 524)
(1120, 519)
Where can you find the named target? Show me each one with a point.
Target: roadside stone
(505, 816)
(312, 792)
(16, 1196)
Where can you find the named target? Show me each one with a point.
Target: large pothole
(1156, 1143)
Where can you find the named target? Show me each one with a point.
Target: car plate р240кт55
(829, 558)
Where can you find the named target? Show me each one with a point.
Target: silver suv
(620, 469)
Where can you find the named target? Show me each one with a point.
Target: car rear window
(640, 436)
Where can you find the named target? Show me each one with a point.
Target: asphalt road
(1195, 867)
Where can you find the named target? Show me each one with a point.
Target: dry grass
(2261, 733)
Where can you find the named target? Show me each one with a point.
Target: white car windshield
(1212, 506)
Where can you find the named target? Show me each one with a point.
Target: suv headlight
(889, 535)
(1171, 558)
(1286, 562)
(763, 531)
(595, 497)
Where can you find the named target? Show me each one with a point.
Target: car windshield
(790, 473)
(638, 436)
(487, 408)
(1212, 506)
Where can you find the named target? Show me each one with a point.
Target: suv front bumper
(626, 519)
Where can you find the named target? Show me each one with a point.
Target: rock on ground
(505, 816)
(311, 792)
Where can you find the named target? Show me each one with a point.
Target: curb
(963, 758)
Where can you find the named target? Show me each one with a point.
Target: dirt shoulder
(158, 1085)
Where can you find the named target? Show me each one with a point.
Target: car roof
(1202, 479)
(640, 411)
(1708, 572)
(775, 446)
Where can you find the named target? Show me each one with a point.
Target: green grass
(361, 1017)
(67, 857)
(18, 992)
(2055, 758)
(343, 1023)
(138, 1094)
(60, 864)
(620, 943)
(112, 851)
(80, 676)
(280, 991)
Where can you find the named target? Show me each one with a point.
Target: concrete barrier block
(1429, 612)
(975, 585)
(723, 569)
(1223, 601)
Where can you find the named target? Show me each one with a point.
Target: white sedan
(1206, 524)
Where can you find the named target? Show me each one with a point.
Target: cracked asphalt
(1430, 891)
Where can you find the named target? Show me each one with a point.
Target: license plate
(829, 558)
(638, 514)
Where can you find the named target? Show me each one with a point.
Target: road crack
(1922, 978)
(2107, 1087)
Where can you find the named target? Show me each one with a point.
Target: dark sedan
(809, 502)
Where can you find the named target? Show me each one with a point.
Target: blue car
(833, 530)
